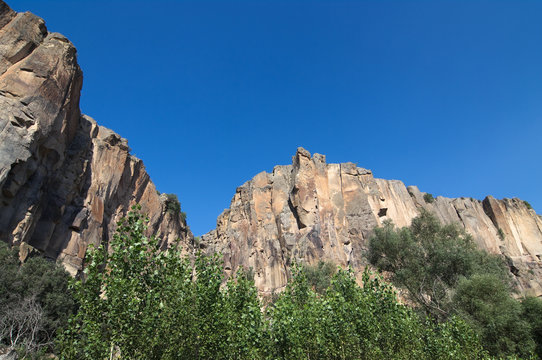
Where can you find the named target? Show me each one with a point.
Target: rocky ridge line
(311, 211)
(64, 180)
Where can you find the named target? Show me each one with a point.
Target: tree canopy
(138, 302)
(446, 275)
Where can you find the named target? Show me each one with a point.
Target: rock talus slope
(64, 180)
(311, 211)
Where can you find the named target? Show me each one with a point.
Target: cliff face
(311, 211)
(64, 180)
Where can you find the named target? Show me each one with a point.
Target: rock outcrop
(64, 180)
(311, 211)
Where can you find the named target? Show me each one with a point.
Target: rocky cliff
(311, 211)
(64, 180)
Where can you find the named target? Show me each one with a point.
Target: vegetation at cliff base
(447, 276)
(34, 302)
(137, 302)
(319, 276)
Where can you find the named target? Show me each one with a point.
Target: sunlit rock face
(311, 211)
(64, 180)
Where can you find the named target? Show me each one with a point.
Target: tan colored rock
(64, 180)
(311, 211)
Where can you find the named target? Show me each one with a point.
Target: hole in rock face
(514, 270)
(382, 212)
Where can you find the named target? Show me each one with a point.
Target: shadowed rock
(64, 180)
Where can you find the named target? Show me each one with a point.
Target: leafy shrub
(532, 314)
(428, 198)
(319, 276)
(173, 206)
(485, 302)
(527, 204)
(34, 301)
(500, 234)
(446, 275)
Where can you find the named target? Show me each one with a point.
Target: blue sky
(445, 95)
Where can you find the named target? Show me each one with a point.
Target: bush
(428, 198)
(446, 275)
(527, 204)
(173, 206)
(532, 314)
(485, 302)
(319, 276)
(34, 301)
(500, 234)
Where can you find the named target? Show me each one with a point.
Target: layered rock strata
(311, 211)
(64, 180)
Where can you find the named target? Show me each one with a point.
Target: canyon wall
(64, 180)
(311, 211)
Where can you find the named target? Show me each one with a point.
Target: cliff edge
(311, 211)
(64, 180)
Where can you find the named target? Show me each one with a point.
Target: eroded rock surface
(311, 211)
(64, 180)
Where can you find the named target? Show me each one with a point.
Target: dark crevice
(300, 225)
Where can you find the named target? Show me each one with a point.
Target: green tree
(319, 275)
(139, 302)
(34, 301)
(485, 302)
(446, 275)
(532, 314)
(428, 259)
(353, 322)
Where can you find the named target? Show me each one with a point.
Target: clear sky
(445, 95)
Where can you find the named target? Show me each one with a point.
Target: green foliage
(319, 276)
(137, 302)
(485, 302)
(527, 204)
(173, 205)
(143, 303)
(532, 314)
(353, 322)
(428, 198)
(446, 275)
(34, 301)
(428, 259)
(500, 234)
(197, 241)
